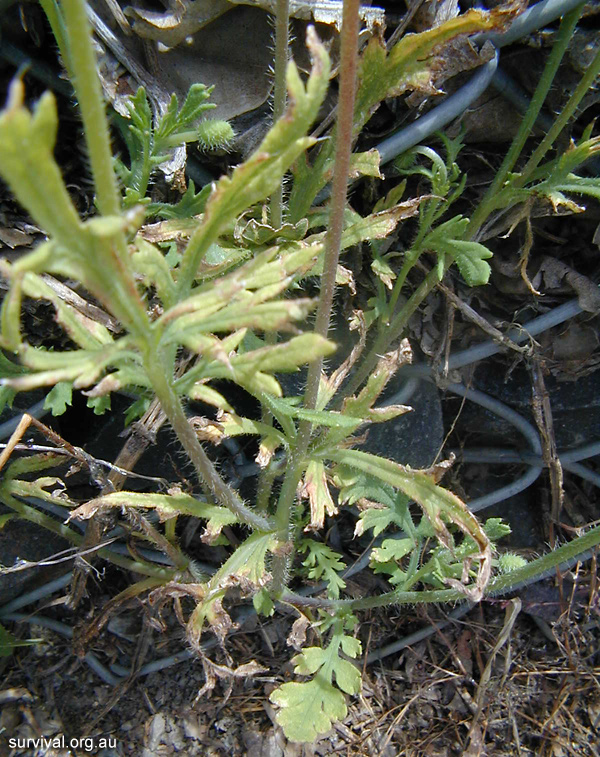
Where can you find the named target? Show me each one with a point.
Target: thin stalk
(171, 529)
(142, 525)
(587, 81)
(297, 462)
(412, 256)
(91, 105)
(498, 585)
(282, 45)
(348, 70)
(114, 285)
(57, 25)
(206, 471)
(488, 203)
(112, 269)
(282, 52)
(267, 476)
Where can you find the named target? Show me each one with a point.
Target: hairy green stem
(339, 191)
(282, 52)
(488, 203)
(498, 585)
(206, 471)
(282, 45)
(298, 457)
(109, 261)
(59, 30)
(267, 476)
(91, 105)
(413, 255)
(333, 239)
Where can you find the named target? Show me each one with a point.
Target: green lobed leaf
(191, 204)
(379, 519)
(229, 424)
(383, 271)
(351, 646)
(355, 485)
(99, 404)
(257, 233)
(361, 164)
(263, 604)
(323, 563)
(140, 114)
(310, 660)
(496, 529)
(59, 397)
(365, 164)
(248, 560)
(375, 226)
(136, 410)
(416, 484)
(175, 119)
(386, 367)
(308, 709)
(393, 549)
(437, 503)
(347, 676)
(470, 258)
(380, 225)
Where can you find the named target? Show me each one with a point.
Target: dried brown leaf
(297, 636)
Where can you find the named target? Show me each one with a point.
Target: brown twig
(542, 412)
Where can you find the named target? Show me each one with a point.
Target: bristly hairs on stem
(297, 462)
(282, 52)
